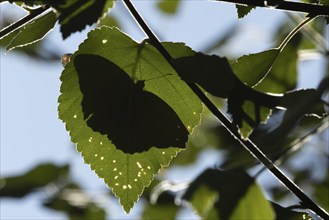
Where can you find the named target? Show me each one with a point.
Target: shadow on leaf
(114, 105)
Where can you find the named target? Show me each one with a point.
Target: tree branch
(312, 9)
(247, 144)
(34, 13)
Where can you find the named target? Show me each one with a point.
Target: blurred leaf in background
(36, 178)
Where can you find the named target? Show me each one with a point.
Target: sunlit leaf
(127, 171)
(252, 68)
(75, 15)
(39, 49)
(34, 31)
(130, 115)
(5, 41)
(109, 20)
(228, 194)
(203, 201)
(254, 115)
(287, 214)
(248, 107)
(165, 205)
(39, 176)
(283, 75)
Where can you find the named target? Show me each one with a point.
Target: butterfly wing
(133, 119)
(155, 123)
(106, 92)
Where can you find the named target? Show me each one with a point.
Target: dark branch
(249, 145)
(311, 9)
(34, 13)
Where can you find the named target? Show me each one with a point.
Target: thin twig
(33, 14)
(247, 144)
(312, 9)
(312, 34)
(297, 144)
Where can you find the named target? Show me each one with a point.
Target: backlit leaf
(39, 176)
(127, 171)
(75, 15)
(287, 214)
(165, 204)
(283, 75)
(228, 194)
(33, 31)
(252, 68)
(248, 107)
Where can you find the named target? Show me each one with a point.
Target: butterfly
(133, 119)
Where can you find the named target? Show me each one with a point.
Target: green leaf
(109, 20)
(243, 10)
(74, 15)
(259, 116)
(253, 68)
(126, 173)
(287, 214)
(228, 194)
(39, 176)
(5, 41)
(169, 6)
(168, 211)
(248, 107)
(321, 192)
(33, 31)
(203, 201)
(129, 115)
(212, 73)
(165, 204)
(283, 75)
(76, 203)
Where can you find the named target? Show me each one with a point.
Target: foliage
(145, 155)
(131, 107)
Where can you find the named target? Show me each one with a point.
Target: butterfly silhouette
(133, 119)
